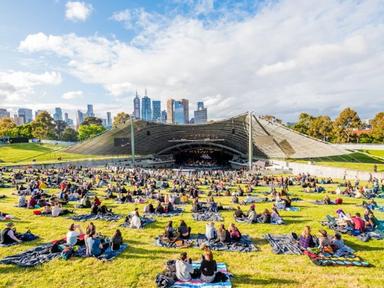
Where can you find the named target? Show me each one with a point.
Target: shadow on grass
(248, 279)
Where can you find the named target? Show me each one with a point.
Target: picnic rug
(87, 217)
(144, 221)
(207, 216)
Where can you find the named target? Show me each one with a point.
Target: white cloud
(18, 85)
(70, 95)
(287, 58)
(77, 11)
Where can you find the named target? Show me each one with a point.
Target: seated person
(370, 219)
(327, 200)
(223, 234)
(116, 240)
(170, 233)
(22, 202)
(339, 247)
(184, 269)
(135, 220)
(210, 231)
(265, 217)
(275, 216)
(72, 234)
(85, 202)
(184, 230)
(94, 245)
(234, 233)
(324, 242)
(306, 239)
(358, 223)
(252, 216)
(239, 213)
(159, 209)
(47, 210)
(208, 267)
(8, 235)
(149, 209)
(235, 199)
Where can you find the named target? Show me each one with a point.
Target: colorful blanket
(144, 222)
(174, 212)
(207, 216)
(259, 220)
(330, 260)
(87, 217)
(283, 244)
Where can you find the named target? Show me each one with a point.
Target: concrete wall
(324, 171)
(351, 146)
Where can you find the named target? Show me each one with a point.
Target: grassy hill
(139, 264)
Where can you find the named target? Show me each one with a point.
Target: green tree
(69, 135)
(378, 127)
(22, 131)
(344, 124)
(43, 126)
(6, 125)
(120, 119)
(89, 131)
(92, 120)
(304, 123)
(321, 128)
(365, 138)
(60, 127)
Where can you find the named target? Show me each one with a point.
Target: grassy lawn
(355, 161)
(378, 153)
(139, 264)
(25, 153)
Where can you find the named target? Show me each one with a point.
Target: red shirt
(358, 223)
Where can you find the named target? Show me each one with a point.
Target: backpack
(66, 253)
(163, 281)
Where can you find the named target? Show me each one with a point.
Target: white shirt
(72, 237)
(56, 210)
(183, 270)
(135, 222)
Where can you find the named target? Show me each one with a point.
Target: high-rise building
(146, 110)
(90, 112)
(4, 113)
(163, 116)
(201, 114)
(79, 118)
(178, 112)
(170, 107)
(18, 120)
(26, 114)
(136, 106)
(156, 110)
(58, 115)
(186, 110)
(68, 120)
(109, 120)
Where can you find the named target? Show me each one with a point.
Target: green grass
(139, 264)
(355, 161)
(25, 153)
(377, 153)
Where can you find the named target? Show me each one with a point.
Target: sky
(269, 57)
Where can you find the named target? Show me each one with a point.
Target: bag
(163, 281)
(339, 201)
(66, 253)
(220, 277)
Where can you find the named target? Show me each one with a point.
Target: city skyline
(118, 47)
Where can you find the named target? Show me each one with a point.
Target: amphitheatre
(196, 173)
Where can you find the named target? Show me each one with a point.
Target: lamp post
(132, 141)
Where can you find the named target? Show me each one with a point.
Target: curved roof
(270, 140)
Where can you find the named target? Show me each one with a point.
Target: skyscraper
(109, 120)
(156, 110)
(58, 115)
(66, 117)
(4, 113)
(201, 114)
(79, 118)
(146, 112)
(178, 112)
(170, 110)
(186, 110)
(26, 114)
(90, 111)
(163, 116)
(136, 106)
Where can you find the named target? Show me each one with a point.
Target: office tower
(146, 111)
(201, 114)
(58, 115)
(66, 117)
(186, 110)
(163, 116)
(104, 123)
(178, 112)
(26, 114)
(4, 113)
(18, 120)
(170, 107)
(79, 118)
(90, 111)
(136, 106)
(156, 110)
(109, 120)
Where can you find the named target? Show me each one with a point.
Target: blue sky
(275, 57)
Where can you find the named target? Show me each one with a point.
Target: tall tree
(6, 125)
(321, 128)
(304, 123)
(69, 135)
(92, 120)
(120, 119)
(89, 131)
(43, 126)
(344, 124)
(60, 126)
(378, 127)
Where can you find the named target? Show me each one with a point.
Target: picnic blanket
(207, 216)
(45, 253)
(378, 233)
(197, 283)
(259, 220)
(198, 240)
(251, 200)
(283, 244)
(87, 217)
(331, 260)
(25, 237)
(144, 221)
(174, 212)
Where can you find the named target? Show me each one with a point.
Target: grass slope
(26, 152)
(139, 264)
